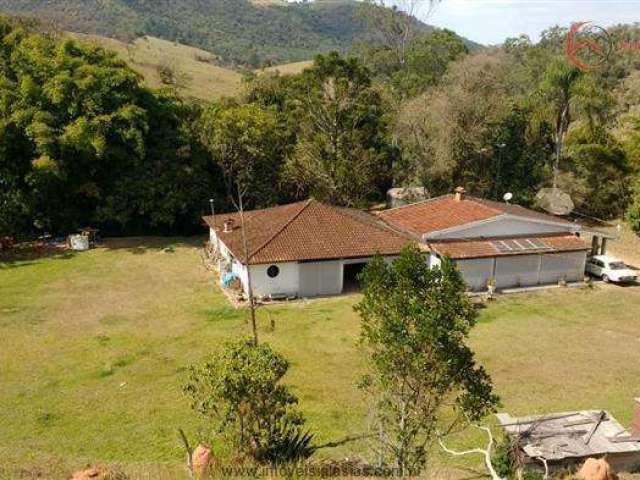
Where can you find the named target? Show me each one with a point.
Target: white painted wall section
(286, 283)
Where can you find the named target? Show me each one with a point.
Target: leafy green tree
(240, 389)
(84, 143)
(395, 24)
(473, 129)
(422, 374)
(427, 59)
(558, 94)
(596, 172)
(342, 154)
(246, 144)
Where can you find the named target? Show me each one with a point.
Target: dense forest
(82, 142)
(239, 32)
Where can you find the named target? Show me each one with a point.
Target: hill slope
(190, 70)
(241, 32)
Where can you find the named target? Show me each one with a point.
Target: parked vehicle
(611, 269)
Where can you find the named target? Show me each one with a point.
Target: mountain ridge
(247, 33)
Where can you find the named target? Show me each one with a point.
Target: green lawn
(94, 346)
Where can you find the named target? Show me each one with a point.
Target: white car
(611, 269)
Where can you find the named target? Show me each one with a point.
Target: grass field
(94, 346)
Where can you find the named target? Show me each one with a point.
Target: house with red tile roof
(304, 249)
(309, 249)
(493, 242)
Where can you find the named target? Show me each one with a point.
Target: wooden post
(603, 247)
(595, 245)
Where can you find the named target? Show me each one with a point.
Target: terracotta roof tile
(487, 248)
(308, 230)
(445, 212)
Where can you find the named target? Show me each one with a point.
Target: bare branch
(486, 453)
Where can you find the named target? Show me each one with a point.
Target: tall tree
(423, 376)
(245, 142)
(473, 130)
(395, 23)
(558, 95)
(427, 58)
(342, 155)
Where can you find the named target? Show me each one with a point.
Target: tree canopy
(424, 377)
(84, 143)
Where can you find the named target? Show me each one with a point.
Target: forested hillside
(84, 142)
(239, 32)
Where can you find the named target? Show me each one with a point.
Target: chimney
(228, 225)
(635, 426)
(459, 194)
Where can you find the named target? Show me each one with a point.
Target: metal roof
(570, 435)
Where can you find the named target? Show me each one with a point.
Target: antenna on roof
(508, 197)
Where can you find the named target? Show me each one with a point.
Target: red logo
(588, 46)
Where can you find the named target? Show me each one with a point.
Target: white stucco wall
(295, 278)
(286, 283)
(504, 227)
(434, 261)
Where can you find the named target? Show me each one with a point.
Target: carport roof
(308, 230)
(487, 248)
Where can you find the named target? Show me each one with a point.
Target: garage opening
(350, 281)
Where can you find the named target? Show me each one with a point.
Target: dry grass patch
(195, 70)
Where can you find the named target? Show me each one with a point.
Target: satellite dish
(508, 197)
(555, 201)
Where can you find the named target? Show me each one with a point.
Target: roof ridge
(259, 210)
(485, 203)
(507, 209)
(375, 221)
(428, 200)
(280, 230)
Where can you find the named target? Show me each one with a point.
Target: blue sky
(492, 21)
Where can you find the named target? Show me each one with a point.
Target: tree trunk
(245, 247)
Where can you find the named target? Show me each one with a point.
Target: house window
(273, 271)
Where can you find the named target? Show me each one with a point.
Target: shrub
(240, 390)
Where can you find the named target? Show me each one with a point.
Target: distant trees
(422, 375)
(426, 60)
(471, 130)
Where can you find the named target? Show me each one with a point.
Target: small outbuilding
(304, 249)
(567, 439)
